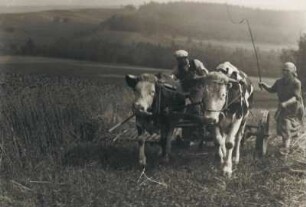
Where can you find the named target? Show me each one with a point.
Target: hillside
(46, 27)
(211, 21)
(202, 21)
(147, 36)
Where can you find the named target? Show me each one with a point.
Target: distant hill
(46, 27)
(212, 22)
(148, 35)
(155, 22)
(29, 9)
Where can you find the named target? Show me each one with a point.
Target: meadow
(55, 149)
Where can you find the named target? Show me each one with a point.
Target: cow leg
(238, 143)
(166, 135)
(228, 165)
(141, 145)
(235, 126)
(220, 143)
(230, 144)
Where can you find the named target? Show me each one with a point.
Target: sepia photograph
(156, 103)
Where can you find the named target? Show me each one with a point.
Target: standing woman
(290, 111)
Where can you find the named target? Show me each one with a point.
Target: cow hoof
(192, 143)
(165, 159)
(142, 162)
(227, 173)
(210, 144)
(229, 145)
(236, 160)
(222, 161)
(218, 159)
(283, 151)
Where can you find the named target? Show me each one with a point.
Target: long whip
(252, 38)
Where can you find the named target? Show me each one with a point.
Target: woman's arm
(296, 95)
(288, 102)
(270, 89)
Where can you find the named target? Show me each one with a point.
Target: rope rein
(226, 105)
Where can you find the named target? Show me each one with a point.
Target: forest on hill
(148, 35)
(211, 21)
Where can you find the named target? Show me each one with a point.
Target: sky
(264, 4)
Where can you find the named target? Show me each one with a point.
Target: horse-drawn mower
(258, 126)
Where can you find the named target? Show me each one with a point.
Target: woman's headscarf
(289, 66)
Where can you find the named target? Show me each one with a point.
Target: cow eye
(152, 92)
(222, 96)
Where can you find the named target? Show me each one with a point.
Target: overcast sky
(266, 4)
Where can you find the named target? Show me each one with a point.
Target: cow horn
(131, 80)
(221, 116)
(231, 80)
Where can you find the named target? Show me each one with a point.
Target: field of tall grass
(55, 151)
(43, 115)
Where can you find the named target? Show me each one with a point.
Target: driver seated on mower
(186, 71)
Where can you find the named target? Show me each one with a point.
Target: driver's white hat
(181, 54)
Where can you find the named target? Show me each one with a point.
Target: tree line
(151, 54)
(209, 21)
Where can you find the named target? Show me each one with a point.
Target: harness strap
(227, 104)
(159, 100)
(156, 106)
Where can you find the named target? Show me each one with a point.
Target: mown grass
(55, 151)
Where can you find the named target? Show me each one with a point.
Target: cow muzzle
(213, 118)
(210, 121)
(137, 107)
(139, 110)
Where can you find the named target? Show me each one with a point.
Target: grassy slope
(82, 34)
(47, 26)
(209, 20)
(58, 166)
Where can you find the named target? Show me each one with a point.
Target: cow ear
(234, 85)
(234, 75)
(231, 82)
(158, 75)
(230, 85)
(131, 80)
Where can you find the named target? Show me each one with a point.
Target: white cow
(226, 108)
